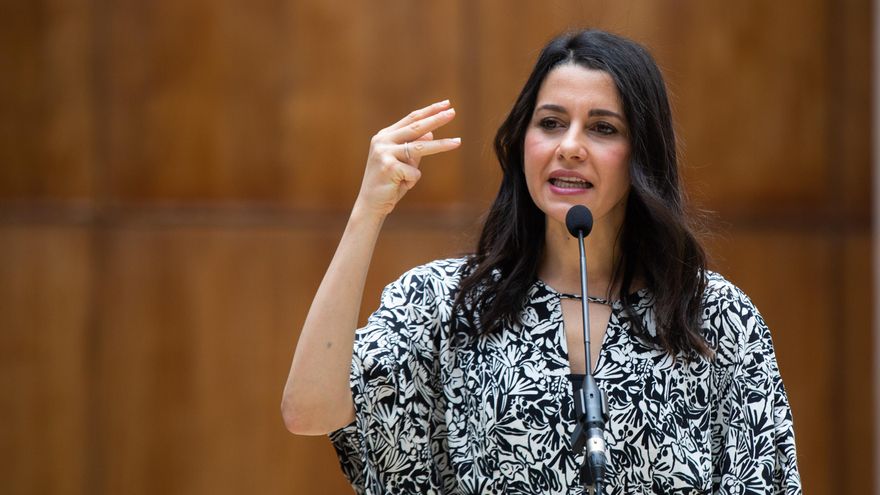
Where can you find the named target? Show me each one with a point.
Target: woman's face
(577, 146)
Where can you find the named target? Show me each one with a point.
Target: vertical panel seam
(837, 459)
(471, 79)
(97, 229)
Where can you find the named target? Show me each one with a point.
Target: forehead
(575, 85)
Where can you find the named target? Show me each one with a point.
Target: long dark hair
(657, 241)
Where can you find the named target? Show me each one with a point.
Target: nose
(571, 146)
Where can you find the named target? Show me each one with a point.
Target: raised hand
(395, 153)
(317, 398)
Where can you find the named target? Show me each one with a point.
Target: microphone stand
(591, 403)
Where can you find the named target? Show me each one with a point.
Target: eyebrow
(596, 112)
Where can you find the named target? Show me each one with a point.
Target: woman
(460, 382)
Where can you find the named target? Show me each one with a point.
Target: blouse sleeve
(386, 449)
(753, 434)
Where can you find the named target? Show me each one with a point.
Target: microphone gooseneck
(591, 404)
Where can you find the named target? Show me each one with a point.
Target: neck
(560, 264)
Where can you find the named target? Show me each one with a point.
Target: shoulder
(731, 321)
(721, 295)
(445, 272)
(443, 269)
(719, 288)
(412, 308)
(437, 279)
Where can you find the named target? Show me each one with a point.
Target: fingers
(412, 137)
(395, 152)
(418, 148)
(420, 127)
(419, 114)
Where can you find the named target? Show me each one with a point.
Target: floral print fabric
(437, 412)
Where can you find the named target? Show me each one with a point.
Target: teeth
(570, 182)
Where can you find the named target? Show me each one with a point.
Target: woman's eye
(604, 128)
(549, 124)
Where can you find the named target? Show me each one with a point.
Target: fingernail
(444, 102)
(456, 140)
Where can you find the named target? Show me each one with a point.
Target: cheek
(537, 153)
(536, 146)
(533, 162)
(617, 161)
(615, 154)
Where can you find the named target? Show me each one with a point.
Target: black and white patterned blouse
(440, 413)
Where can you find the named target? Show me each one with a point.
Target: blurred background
(175, 175)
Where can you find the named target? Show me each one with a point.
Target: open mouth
(571, 183)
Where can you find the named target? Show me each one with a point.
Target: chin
(558, 212)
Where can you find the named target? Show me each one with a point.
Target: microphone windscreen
(579, 219)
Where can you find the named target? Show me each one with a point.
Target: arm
(756, 446)
(317, 398)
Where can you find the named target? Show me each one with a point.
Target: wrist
(363, 214)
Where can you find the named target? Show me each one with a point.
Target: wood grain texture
(46, 120)
(45, 299)
(199, 328)
(854, 329)
(193, 92)
(850, 154)
(753, 103)
(198, 331)
(273, 102)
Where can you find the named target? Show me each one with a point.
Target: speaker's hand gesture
(395, 152)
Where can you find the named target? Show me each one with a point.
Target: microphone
(579, 221)
(591, 404)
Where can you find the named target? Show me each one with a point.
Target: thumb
(407, 175)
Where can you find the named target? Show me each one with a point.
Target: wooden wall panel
(850, 154)
(47, 124)
(198, 331)
(45, 299)
(753, 103)
(325, 138)
(270, 102)
(192, 98)
(413, 61)
(370, 68)
(853, 329)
